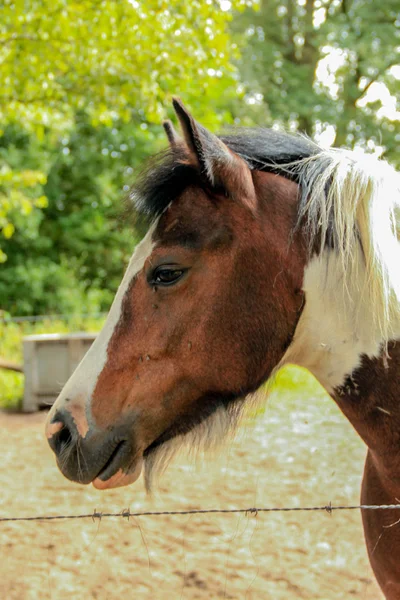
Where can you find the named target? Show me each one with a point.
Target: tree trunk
(309, 59)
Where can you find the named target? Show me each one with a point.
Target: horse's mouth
(115, 472)
(123, 468)
(118, 471)
(113, 462)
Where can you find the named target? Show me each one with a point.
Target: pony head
(206, 310)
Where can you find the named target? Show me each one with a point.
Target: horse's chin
(120, 478)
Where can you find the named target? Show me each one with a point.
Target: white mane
(354, 199)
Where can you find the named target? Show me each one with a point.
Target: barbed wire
(254, 511)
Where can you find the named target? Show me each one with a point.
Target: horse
(263, 249)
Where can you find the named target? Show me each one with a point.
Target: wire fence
(254, 511)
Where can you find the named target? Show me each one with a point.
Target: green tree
(109, 57)
(70, 257)
(288, 43)
(116, 60)
(23, 163)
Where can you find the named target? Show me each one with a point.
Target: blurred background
(85, 86)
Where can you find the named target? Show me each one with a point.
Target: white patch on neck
(83, 381)
(338, 324)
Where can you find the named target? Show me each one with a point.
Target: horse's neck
(338, 338)
(370, 399)
(339, 323)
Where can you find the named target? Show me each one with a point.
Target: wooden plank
(10, 366)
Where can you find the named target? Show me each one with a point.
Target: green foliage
(288, 44)
(115, 60)
(71, 257)
(110, 57)
(291, 379)
(22, 177)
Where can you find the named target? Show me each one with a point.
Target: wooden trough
(49, 360)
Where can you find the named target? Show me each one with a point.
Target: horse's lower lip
(113, 463)
(120, 477)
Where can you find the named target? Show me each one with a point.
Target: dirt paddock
(299, 453)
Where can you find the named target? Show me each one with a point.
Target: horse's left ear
(219, 166)
(173, 137)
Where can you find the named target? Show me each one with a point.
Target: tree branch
(328, 5)
(345, 7)
(374, 79)
(290, 54)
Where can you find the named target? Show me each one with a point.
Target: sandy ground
(308, 456)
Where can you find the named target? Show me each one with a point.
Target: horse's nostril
(60, 433)
(64, 438)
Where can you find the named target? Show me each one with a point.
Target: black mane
(169, 173)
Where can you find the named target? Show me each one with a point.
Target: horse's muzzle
(99, 456)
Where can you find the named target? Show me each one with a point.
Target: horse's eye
(166, 275)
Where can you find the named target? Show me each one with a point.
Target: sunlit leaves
(109, 57)
(20, 192)
(310, 65)
(114, 59)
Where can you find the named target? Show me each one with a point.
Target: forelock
(166, 175)
(163, 179)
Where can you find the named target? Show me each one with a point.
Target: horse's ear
(173, 137)
(220, 167)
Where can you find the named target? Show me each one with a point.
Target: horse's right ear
(219, 166)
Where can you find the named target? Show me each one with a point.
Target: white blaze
(82, 382)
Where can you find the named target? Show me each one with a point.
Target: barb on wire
(254, 511)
